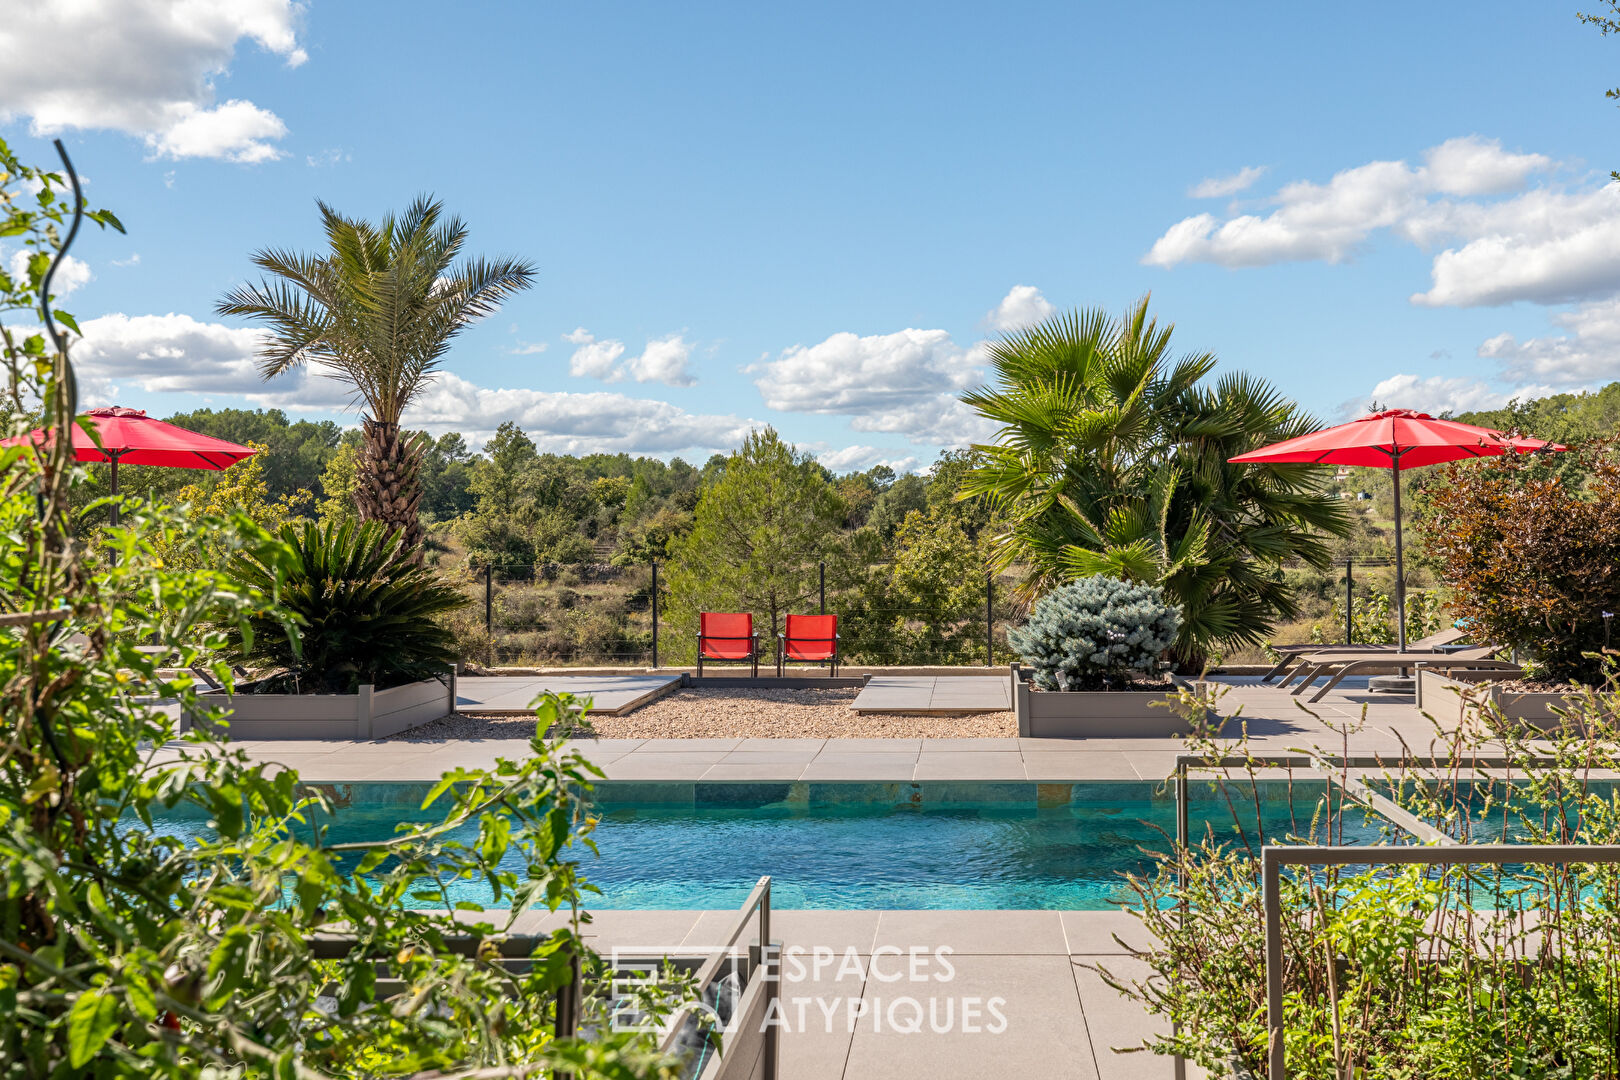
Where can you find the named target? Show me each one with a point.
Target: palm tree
(1111, 458)
(377, 310)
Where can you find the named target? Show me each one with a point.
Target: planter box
(367, 714)
(1454, 695)
(1109, 714)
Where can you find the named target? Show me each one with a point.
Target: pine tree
(763, 526)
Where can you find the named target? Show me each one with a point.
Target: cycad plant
(377, 310)
(364, 611)
(1111, 458)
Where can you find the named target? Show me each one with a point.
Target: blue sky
(811, 215)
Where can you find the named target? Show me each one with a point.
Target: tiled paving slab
(513, 695)
(942, 695)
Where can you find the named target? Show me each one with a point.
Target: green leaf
(68, 321)
(373, 859)
(91, 1022)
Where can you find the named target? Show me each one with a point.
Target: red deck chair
(810, 639)
(727, 637)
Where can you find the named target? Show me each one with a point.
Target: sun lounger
(1338, 666)
(1291, 653)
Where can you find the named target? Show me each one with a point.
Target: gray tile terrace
(1375, 725)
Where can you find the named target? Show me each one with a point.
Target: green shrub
(1510, 971)
(1095, 632)
(365, 613)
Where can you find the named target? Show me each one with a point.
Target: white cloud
(862, 458)
(1546, 247)
(593, 359)
(1587, 354)
(663, 360)
(566, 423)
(526, 348)
(1475, 166)
(1331, 222)
(1436, 394)
(234, 131)
(176, 354)
(71, 274)
(1022, 306)
(330, 156)
(147, 68)
(133, 260)
(906, 382)
(1219, 187)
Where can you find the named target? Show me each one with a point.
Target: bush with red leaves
(1532, 552)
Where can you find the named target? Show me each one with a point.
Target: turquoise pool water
(873, 845)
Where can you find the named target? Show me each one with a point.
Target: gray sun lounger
(1291, 653)
(1338, 666)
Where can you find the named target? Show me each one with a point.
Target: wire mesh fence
(596, 614)
(557, 615)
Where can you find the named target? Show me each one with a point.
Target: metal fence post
(655, 613)
(1183, 841)
(1271, 898)
(1349, 597)
(489, 614)
(824, 588)
(566, 1025)
(989, 619)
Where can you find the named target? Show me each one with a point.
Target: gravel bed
(740, 713)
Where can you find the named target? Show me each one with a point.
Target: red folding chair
(810, 639)
(728, 637)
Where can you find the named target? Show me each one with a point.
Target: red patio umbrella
(132, 437)
(1397, 439)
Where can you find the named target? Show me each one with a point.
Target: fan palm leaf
(1110, 456)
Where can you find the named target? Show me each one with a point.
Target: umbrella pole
(1400, 566)
(112, 488)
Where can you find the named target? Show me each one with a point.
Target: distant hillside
(1562, 417)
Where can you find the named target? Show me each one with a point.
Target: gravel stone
(740, 713)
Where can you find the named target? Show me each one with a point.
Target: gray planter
(1109, 714)
(366, 714)
(1454, 696)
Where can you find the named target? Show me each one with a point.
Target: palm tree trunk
(389, 486)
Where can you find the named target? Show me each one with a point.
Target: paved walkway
(851, 989)
(513, 695)
(939, 695)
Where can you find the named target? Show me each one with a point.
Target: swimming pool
(871, 845)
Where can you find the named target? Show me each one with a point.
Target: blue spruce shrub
(1094, 632)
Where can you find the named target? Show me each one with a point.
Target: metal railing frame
(1441, 849)
(517, 948)
(766, 955)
